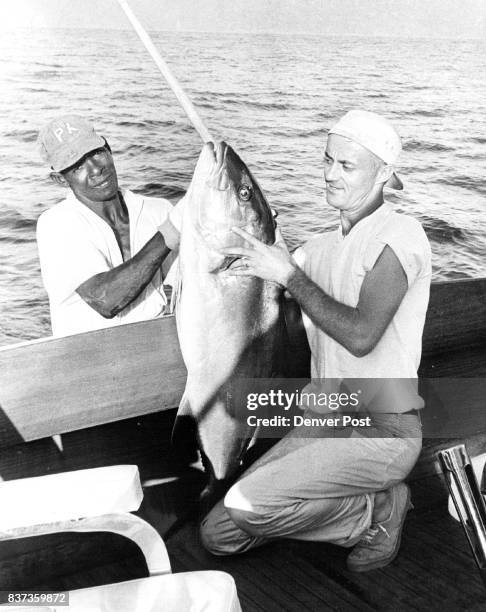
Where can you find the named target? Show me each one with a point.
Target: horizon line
(253, 32)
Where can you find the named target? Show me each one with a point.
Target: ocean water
(272, 97)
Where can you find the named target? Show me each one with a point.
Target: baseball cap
(375, 133)
(65, 140)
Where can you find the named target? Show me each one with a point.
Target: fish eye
(244, 193)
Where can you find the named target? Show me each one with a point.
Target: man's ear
(59, 179)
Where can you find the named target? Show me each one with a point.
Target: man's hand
(272, 263)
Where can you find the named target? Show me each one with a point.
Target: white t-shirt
(338, 265)
(75, 244)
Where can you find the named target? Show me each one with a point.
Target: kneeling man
(363, 290)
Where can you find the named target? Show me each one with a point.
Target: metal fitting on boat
(468, 499)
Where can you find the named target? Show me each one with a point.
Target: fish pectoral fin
(221, 264)
(229, 261)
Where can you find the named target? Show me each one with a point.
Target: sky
(396, 18)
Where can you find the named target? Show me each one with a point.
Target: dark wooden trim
(456, 317)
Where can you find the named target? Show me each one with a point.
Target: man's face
(93, 177)
(350, 172)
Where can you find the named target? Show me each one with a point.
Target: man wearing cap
(363, 290)
(103, 261)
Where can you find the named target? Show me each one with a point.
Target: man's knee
(249, 522)
(241, 507)
(219, 535)
(211, 540)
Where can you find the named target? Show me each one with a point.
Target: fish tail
(184, 433)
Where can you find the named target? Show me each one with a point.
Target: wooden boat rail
(56, 385)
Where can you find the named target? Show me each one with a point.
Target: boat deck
(49, 387)
(434, 570)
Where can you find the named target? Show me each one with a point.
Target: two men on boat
(103, 260)
(363, 290)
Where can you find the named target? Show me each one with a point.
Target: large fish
(230, 328)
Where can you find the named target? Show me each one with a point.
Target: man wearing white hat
(103, 260)
(363, 290)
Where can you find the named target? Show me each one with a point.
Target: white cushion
(71, 495)
(209, 591)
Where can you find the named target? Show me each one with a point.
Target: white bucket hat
(375, 133)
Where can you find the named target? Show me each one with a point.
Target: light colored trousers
(314, 488)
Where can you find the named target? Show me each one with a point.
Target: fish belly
(229, 331)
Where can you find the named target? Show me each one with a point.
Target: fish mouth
(215, 222)
(220, 155)
(218, 177)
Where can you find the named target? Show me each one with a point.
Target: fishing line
(166, 72)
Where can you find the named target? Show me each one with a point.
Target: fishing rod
(166, 72)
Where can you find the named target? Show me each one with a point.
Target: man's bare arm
(358, 329)
(112, 291)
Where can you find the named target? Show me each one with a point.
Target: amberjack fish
(230, 328)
